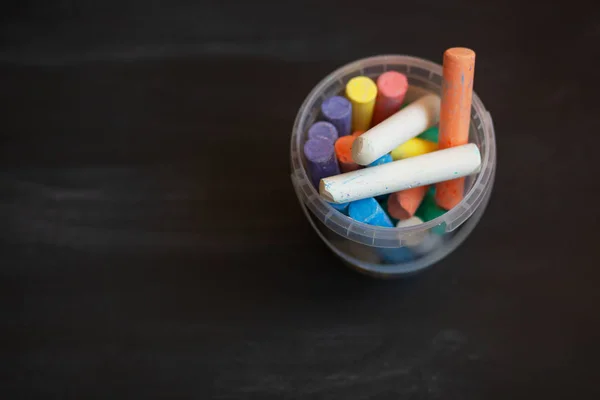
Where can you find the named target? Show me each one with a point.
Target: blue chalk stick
(384, 159)
(343, 207)
(369, 212)
(338, 111)
(323, 130)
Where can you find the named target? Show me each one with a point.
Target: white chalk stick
(414, 239)
(397, 129)
(434, 167)
(420, 242)
(430, 243)
(412, 221)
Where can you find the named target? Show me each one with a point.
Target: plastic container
(382, 251)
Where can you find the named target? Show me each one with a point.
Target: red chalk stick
(391, 89)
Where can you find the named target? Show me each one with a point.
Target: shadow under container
(393, 252)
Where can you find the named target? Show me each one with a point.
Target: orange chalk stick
(455, 115)
(403, 205)
(343, 152)
(391, 89)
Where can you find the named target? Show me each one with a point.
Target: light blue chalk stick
(343, 207)
(384, 159)
(370, 212)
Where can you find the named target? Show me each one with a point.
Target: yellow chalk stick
(414, 147)
(362, 92)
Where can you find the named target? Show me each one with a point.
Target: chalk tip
(361, 89)
(460, 53)
(336, 107)
(412, 221)
(392, 84)
(359, 148)
(318, 150)
(324, 192)
(478, 155)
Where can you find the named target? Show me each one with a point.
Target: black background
(152, 245)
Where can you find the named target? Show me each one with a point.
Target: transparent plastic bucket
(381, 251)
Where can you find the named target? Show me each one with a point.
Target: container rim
(480, 119)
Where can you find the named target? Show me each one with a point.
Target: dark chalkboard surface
(151, 243)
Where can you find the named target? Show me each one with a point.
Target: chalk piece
(412, 221)
(384, 159)
(413, 239)
(369, 212)
(413, 147)
(397, 129)
(420, 242)
(320, 158)
(430, 134)
(323, 130)
(402, 205)
(450, 193)
(402, 174)
(455, 115)
(391, 89)
(381, 160)
(429, 210)
(343, 152)
(362, 92)
(343, 208)
(338, 111)
(430, 243)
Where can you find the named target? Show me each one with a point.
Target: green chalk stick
(429, 210)
(430, 134)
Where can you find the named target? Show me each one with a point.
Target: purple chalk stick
(323, 130)
(320, 157)
(338, 111)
